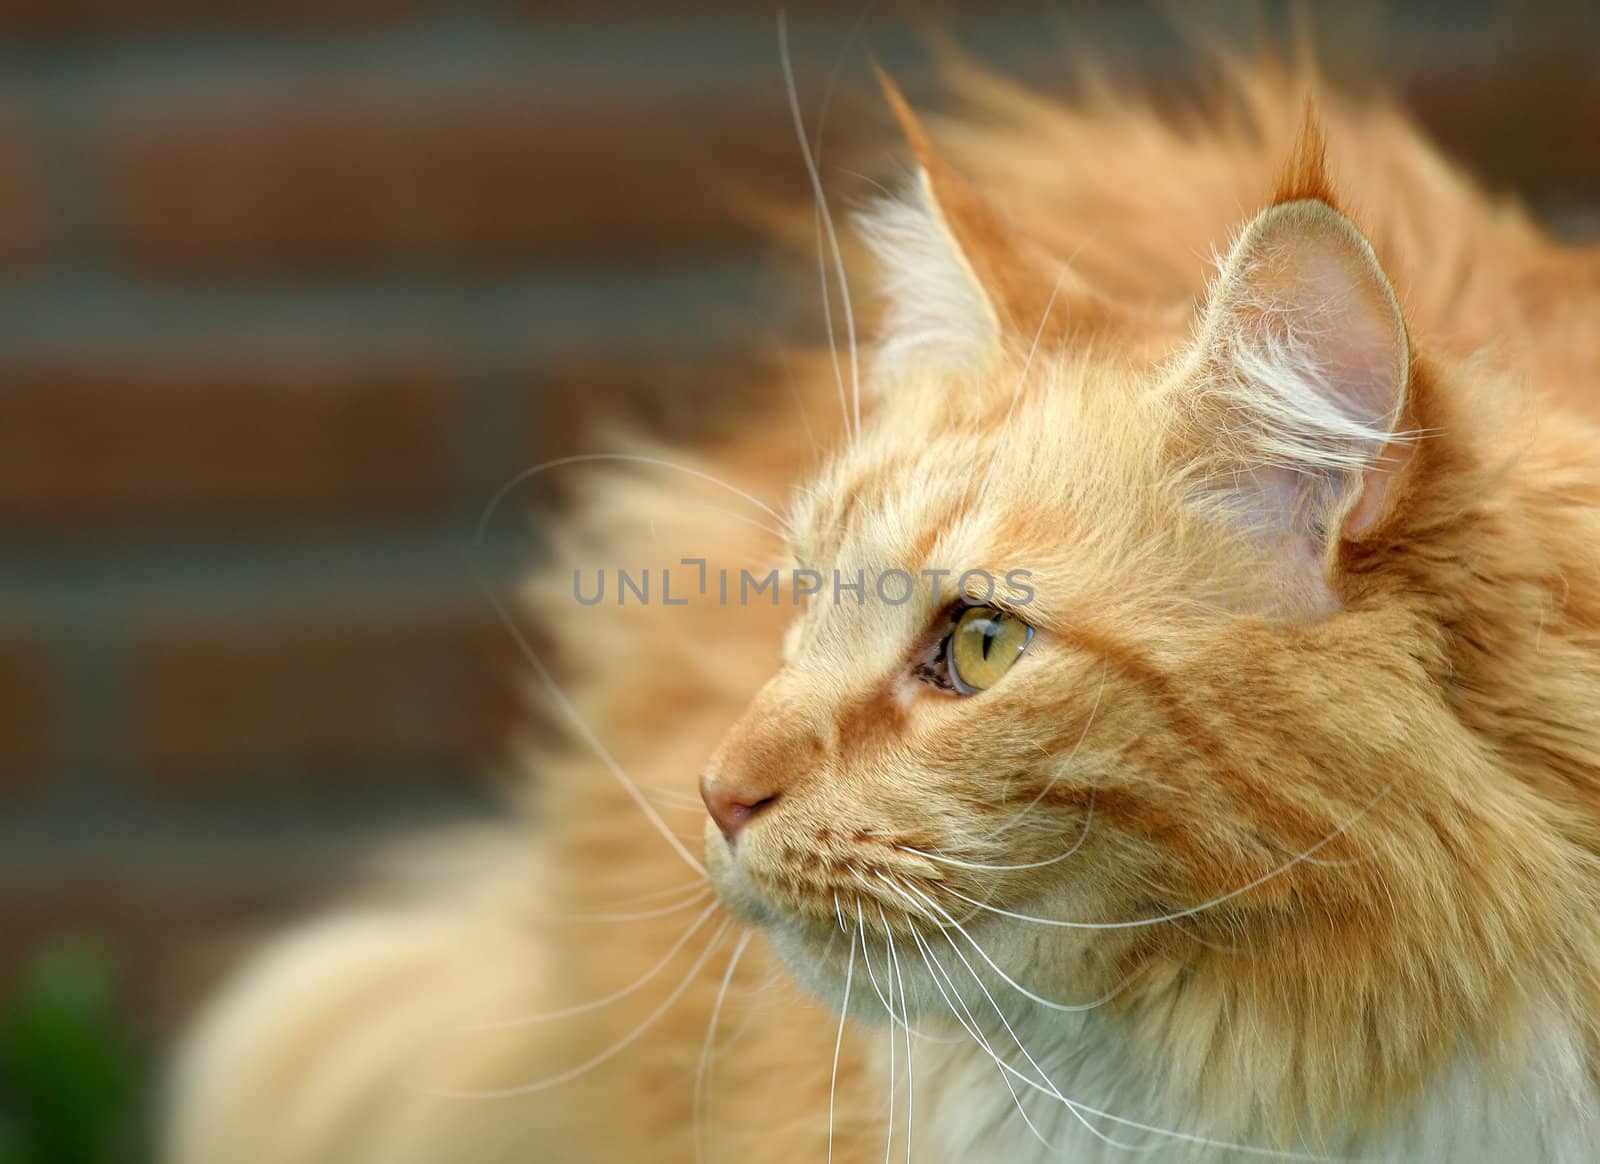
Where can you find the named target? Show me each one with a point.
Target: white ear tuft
(937, 309)
(1301, 372)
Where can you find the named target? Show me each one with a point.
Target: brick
(686, 396)
(762, 15)
(72, 17)
(344, 696)
(20, 223)
(353, 180)
(681, 396)
(232, 438)
(356, 179)
(1527, 125)
(26, 714)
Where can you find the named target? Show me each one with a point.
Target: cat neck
(1088, 1099)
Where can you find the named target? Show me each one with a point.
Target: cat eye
(983, 645)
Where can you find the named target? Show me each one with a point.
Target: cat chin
(823, 969)
(825, 964)
(822, 959)
(817, 953)
(733, 891)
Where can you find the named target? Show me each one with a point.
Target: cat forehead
(966, 466)
(1063, 480)
(895, 496)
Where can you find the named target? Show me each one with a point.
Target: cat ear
(957, 276)
(1301, 371)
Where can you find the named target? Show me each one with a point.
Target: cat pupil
(991, 631)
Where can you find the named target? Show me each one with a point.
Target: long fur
(1309, 823)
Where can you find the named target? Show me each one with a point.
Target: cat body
(1279, 837)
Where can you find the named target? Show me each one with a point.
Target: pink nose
(730, 806)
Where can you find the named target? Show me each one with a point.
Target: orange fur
(1365, 775)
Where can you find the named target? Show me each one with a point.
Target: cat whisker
(903, 1018)
(1050, 1004)
(1335, 862)
(673, 798)
(877, 897)
(894, 959)
(822, 121)
(827, 947)
(1082, 1110)
(1136, 923)
(754, 523)
(597, 1003)
(888, 1141)
(1094, 711)
(866, 960)
(1078, 1110)
(691, 888)
(1083, 835)
(640, 915)
(1188, 932)
(969, 1024)
(522, 478)
(833, 76)
(543, 674)
(838, 1039)
(826, 217)
(702, 1073)
(581, 725)
(870, 181)
(610, 1052)
(888, 1006)
(1071, 1105)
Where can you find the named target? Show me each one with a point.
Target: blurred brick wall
(288, 288)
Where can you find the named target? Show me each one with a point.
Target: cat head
(1144, 667)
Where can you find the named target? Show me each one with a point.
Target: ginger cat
(1260, 819)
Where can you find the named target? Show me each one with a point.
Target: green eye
(983, 646)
